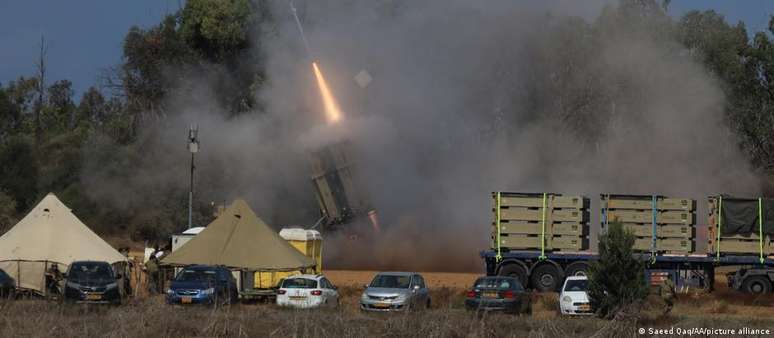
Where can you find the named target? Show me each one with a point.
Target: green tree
(616, 280)
(18, 171)
(58, 114)
(149, 56)
(8, 213)
(217, 29)
(10, 116)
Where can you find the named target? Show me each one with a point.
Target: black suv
(92, 282)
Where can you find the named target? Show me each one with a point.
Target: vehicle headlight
(567, 299)
(401, 297)
(170, 292)
(112, 285)
(208, 291)
(364, 296)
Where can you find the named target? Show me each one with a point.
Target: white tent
(50, 234)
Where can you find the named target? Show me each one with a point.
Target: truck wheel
(516, 271)
(756, 285)
(577, 269)
(545, 278)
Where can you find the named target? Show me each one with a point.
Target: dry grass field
(150, 317)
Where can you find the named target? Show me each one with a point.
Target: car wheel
(545, 278)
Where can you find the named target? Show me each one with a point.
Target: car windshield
(497, 283)
(90, 271)
(391, 281)
(196, 276)
(576, 285)
(299, 283)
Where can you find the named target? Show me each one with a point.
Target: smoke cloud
(467, 98)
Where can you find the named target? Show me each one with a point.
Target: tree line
(49, 139)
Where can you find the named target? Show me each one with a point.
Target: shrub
(617, 279)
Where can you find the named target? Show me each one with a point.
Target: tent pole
(45, 287)
(190, 194)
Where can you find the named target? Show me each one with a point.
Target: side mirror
(365, 286)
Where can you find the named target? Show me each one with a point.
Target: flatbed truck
(748, 273)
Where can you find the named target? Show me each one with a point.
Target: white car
(307, 291)
(574, 299)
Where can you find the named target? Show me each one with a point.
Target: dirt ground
(433, 279)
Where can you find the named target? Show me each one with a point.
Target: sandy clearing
(433, 279)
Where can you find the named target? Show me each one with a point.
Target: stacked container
(540, 221)
(744, 225)
(661, 224)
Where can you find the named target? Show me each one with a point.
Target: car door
(416, 291)
(221, 284)
(326, 291)
(332, 294)
(423, 291)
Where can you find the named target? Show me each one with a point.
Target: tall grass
(153, 318)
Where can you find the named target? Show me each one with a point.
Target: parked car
(92, 282)
(7, 285)
(574, 299)
(307, 291)
(498, 293)
(203, 284)
(395, 291)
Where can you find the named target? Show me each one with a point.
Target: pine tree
(617, 278)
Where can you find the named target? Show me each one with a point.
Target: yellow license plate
(381, 305)
(490, 294)
(584, 307)
(186, 300)
(93, 297)
(297, 297)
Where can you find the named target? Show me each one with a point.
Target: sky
(84, 37)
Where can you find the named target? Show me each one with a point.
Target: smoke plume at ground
(467, 98)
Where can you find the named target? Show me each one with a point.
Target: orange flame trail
(332, 110)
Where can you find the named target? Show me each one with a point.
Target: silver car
(395, 291)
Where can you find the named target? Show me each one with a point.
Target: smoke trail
(300, 29)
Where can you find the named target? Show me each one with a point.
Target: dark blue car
(92, 282)
(203, 284)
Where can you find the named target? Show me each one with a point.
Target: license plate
(297, 297)
(381, 305)
(186, 300)
(93, 297)
(584, 307)
(490, 294)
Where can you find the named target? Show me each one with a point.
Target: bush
(617, 279)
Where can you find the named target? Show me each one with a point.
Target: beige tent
(49, 234)
(239, 239)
